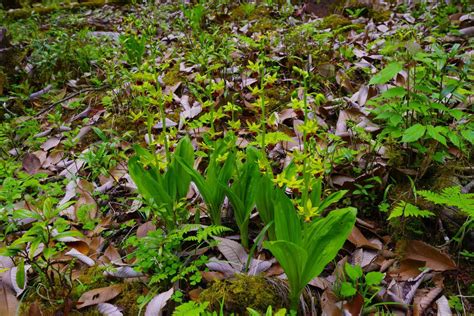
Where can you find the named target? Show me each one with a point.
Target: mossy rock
(334, 21)
(241, 292)
(380, 15)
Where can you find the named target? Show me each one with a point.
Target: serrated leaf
(413, 133)
(386, 74)
(435, 133)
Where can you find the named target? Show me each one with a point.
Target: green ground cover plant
(236, 157)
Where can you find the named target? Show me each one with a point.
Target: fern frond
(451, 196)
(406, 209)
(205, 232)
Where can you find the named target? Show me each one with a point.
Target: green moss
(173, 76)
(334, 21)
(128, 300)
(379, 15)
(241, 292)
(263, 25)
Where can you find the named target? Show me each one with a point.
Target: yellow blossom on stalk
(308, 211)
(294, 183)
(222, 158)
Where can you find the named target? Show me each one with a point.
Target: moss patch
(241, 292)
(334, 21)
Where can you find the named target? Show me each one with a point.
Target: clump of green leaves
(220, 170)
(134, 47)
(38, 246)
(356, 282)
(303, 249)
(163, 255)
(243, 191)
(164, 190)
(421, 109)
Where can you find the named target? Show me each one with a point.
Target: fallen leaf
(107, 309)
(31, 163)
(233, 252)
(423, 299)
(123, 273)
(8, 302)
(443, 307)
(407, 269)
(354, 306)
(358, 239)
(80, 246)
(81, 257)
(210, 276)
(320, 283)
(50, 143)
(156, 305)
(194, 294)
(114, 256)
(421, 251)
(100, 295)
(144, 228)
(328, 304)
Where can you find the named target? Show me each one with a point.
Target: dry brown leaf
(194, 294)
(100, 295)
(421, 251)
(50, 143)
(144, 228)
(156, 305)
(114, 256)
(275, 269)
(443, 307)
(107, 309)
(31, 163)
(358, 239)
(80, 246)
(320, 283)
(81, 257)
(423, 299)
(328, 304)
(354, 306)
(407, 269)
(210, 276)
(35, 309)
(8, 301)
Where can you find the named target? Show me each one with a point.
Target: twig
(72, 95)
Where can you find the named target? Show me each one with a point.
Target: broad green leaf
(287, 222)
(347, 290)
(468, 135)
(435, 133)
(386, 74)
(413, 133)
(374, 278)
(353, 272)
(265, 201)
(292, 259)
(331, 199)
(454, 138)
(394, 92)
(324, 238)
(20, 274)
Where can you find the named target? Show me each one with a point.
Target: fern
(406, 209)
(452, 196)
(205, 232)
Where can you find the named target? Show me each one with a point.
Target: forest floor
(341, 107)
